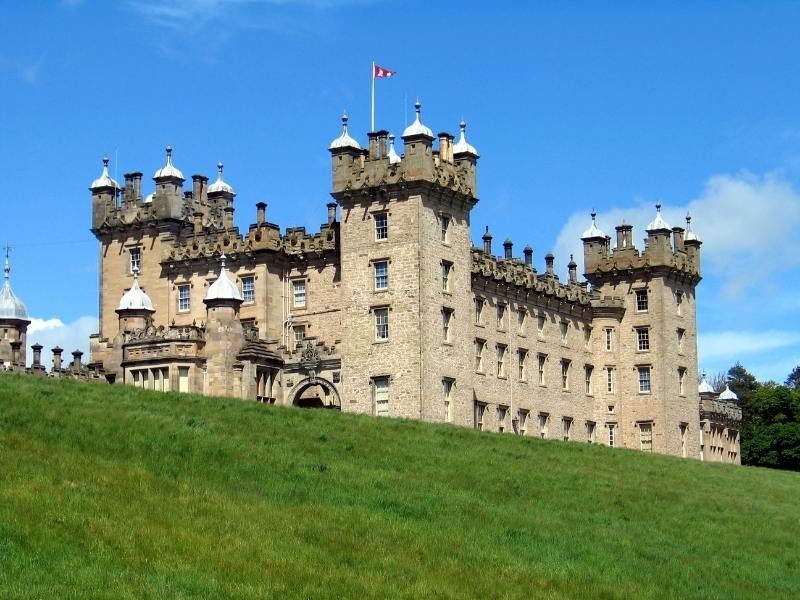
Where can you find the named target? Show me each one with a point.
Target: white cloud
(54, 332)
(748, 223)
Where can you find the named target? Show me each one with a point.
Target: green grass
(109, 491)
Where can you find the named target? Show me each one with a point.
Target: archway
(315, 393)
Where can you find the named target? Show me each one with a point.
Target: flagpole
(372, 122)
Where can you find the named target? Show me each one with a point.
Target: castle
(390, 310)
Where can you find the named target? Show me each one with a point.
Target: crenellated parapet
(358, 174)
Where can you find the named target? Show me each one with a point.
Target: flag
(381, 72)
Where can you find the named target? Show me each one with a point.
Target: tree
(771, 433)
(742, 383)
(717, 381)
(793, 380)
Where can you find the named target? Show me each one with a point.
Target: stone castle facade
(390, 310)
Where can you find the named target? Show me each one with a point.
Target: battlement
(668, 250)
(451, 166)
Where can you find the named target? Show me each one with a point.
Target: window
(678, 302)
(183, 379)
(611, 408)
(521, 356)
(447, 393)
(646, 437)
(681, 380)
(249, 288)
(540, 324)
(478, 310)
(382, 323)
(299, 334)
(680, 333)
(501, 418)
(612, 435)
(587, 336)
(299, 287)
(381, 274)
(544, 420)
(564, 330)
(381, 226)
(522, 416)
(447, 315)
(542, 360)
(445, 222)
(381, 396)
(641, 300)
(565, 374)
(684, 427)
(590, 426)
(643, 338)
(501, 313)
(480, 409)
(521, 321)
(587, 372)
(644, 380)
(566, 423)
(479, 344)
(609, 339)
(501, 360)
(136, 259)
(447, 267)
(610, 380)
(184, 299)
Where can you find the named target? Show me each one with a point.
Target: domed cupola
(462, 147)
(168, 171)
(417, 129)
(223, 289)
(705, 387)
(658, 224)
(690, 235)
(135, 299)
(593, 232)
(728, 394)
(104, 181)
(220, 185)
(394, 158)
(11, 307)
(344, 140)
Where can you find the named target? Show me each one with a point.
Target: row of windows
(382, 226)
(501, 312)
(158, 379)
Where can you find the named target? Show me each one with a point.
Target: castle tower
(224, 335)
(13, 323)
(405, 264)
(644, 316)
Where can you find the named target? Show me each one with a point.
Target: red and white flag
(381, 72)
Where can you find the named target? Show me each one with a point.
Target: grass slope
(116, 492)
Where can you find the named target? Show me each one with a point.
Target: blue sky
(572, 105)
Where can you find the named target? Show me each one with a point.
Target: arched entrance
(315, 393)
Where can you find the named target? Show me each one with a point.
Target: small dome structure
(593, 231)
(658, 224)
(135, 298)
(223, 288)
(220, 185)
(417, 128)
(394, 158)
(105, 179)
(728, 394)
(168, 170)
(11, 307)
(462, 147)
(149, 198)
(690, 235)
(344, 140)
(705, 387)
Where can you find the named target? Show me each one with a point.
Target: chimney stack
(76, 360)
(331, 213)
(37, 355)
(198, 221)
(548, 261)
(228, 216)
(573, 270)
(373, 145)
(57, 358)
(487, 242)
(382, 135)
(261, 213)
(136, 178)
(677, 238)
(508, 245)
(528, 252)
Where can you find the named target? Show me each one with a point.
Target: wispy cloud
(25, 69)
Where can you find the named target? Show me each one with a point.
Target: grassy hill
(109, 491)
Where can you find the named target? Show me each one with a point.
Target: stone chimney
(37, 356)
(573, 270)
(261, 213)
(508, 246)
(528, 252)
(57, 358)
(331, 213)
(487, 242)
(373, 145)
(76, 360)
(677, 238)
(548, 261)
(198, 221)
(136, 178)
(382, 135)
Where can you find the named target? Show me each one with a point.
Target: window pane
(382, 323)
(381, 275)
(381, 226)
(299, 293)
